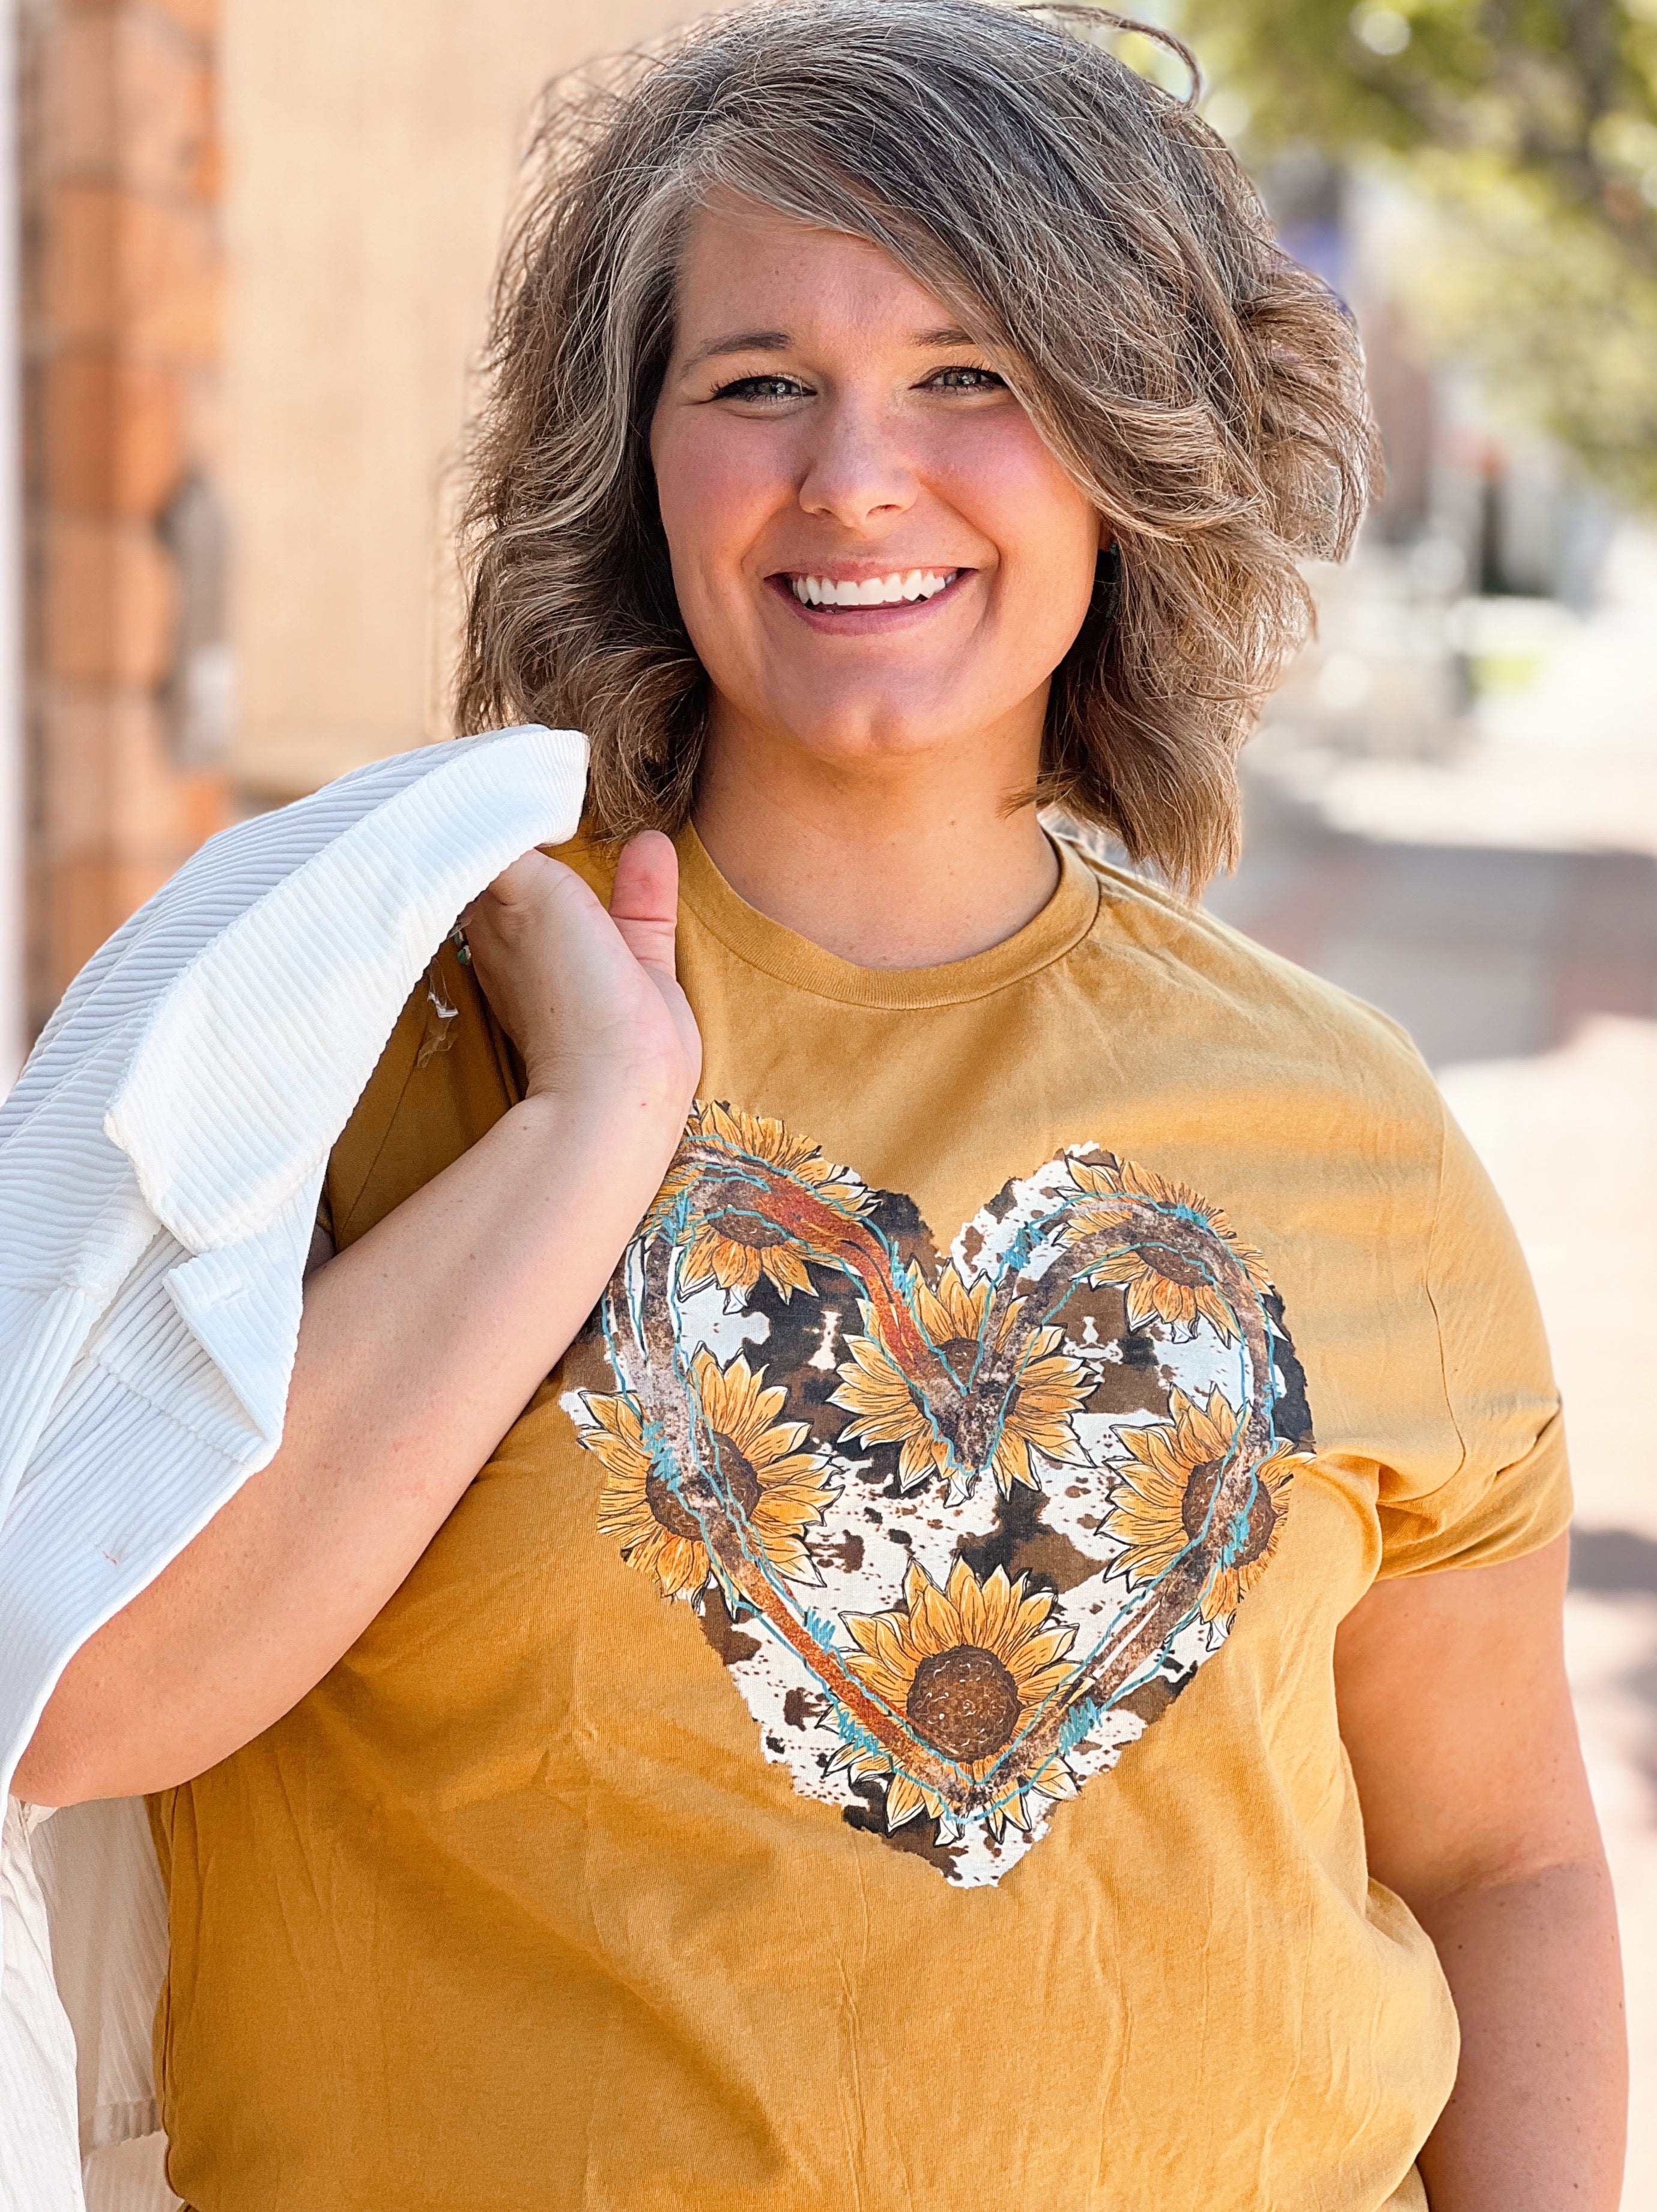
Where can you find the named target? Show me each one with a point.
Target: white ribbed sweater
(160, 1160)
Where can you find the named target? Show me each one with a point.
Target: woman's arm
(419, 1346)
(1458, 1721)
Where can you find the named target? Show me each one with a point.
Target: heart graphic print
(961, 1530)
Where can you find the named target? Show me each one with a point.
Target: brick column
(127, 663)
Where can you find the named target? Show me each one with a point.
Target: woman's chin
(874, 736)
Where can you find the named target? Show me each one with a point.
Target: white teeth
(874, 591)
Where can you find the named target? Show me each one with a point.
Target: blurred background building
(253, 249)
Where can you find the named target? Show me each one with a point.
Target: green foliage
(1563, 327)
(1528, 131)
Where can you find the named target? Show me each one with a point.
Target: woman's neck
(908, 865)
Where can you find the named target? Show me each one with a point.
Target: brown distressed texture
(123, 281)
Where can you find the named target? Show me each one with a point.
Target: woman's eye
(763, 387)
(966, 379)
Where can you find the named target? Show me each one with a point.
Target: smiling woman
(856, 1606)
(1078, 297)
(804, 474)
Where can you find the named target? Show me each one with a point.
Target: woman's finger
(644, 900)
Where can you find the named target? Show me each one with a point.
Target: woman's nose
(857, 469)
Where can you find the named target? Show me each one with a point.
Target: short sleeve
(445, 1077)
(1510, 1489)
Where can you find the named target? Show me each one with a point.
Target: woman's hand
(590, 998)
(421, 1344)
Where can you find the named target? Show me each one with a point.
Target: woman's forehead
(752, 280)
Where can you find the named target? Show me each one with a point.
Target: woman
(1015, 1660)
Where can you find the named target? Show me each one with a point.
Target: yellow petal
(786, 1269)
(904, 1799)
(1054, 1780)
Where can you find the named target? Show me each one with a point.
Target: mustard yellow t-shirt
(867, 1742)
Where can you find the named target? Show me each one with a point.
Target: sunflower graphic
(1163, 1280)
(737, 1237)
(889, 1408)
(773, 1489)
(1165, 1491)
(967, 1667)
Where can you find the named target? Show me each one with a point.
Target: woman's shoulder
(1266, 1024)
(447, 1074)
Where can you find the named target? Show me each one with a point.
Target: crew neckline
(1061, 926)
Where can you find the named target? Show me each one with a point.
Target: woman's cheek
(714, 489)
(1011, 489)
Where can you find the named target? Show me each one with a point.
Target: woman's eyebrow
(741, 341)
(779, 341)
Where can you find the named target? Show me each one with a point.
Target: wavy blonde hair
(1085, 225)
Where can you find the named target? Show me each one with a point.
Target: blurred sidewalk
(1502, 902)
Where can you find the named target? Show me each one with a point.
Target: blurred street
(1500, 900)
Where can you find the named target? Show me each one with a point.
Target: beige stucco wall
(371, 149)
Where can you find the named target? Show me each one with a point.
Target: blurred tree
(1528, 129)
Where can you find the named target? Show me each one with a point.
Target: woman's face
(875, 555)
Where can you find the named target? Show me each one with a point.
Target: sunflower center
(958, 1355)
(676, 1519)
(1190, 1274)
(1262, 1526)
(741, 1482)
(964, 1701)
(751, 1229)
(729, 1209)
(1200, 1484)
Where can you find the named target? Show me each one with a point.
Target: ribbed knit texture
(161, 1159)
